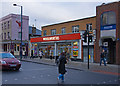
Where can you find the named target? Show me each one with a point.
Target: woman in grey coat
(61, 66)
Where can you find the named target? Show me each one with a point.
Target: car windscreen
(6, 55)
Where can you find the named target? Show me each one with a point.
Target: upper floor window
(89, 27)
(2, 36)
(53, 31)
(8, 24)
(5, 36)
(44, 32)
(8, 35)
(63, 30)
(75, 29)
(4, 25)
(108, 18)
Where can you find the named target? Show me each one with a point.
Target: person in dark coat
(61, 66)
(102, 57)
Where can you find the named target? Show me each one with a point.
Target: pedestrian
(61, 66)
(50, 54)
(103, 57)
(40, 54)
(25, 54)
(31, 54)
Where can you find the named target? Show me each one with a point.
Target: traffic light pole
(88, 48)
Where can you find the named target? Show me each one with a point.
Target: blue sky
(46, 12)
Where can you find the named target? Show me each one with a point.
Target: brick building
(105, 28)
(65, 36)
(108, 32)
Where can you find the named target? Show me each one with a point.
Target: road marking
(6, 80)
(15, 79)
(48, 75)
(104, 82)
(41, 76)
(33, 77)
(37, 69)
(25, 78)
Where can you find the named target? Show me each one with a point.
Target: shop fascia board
(56, 41)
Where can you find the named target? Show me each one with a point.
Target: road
(33, 73)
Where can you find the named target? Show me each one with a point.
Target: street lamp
(21, 30)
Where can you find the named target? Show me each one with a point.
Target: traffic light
(90, 38)
(85, 36)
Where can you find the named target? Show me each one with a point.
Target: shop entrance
(110, 49)
(91, 53)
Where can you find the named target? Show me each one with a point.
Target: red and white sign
(57, 38)
(51, 38)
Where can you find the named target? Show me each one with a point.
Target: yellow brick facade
(68, 25)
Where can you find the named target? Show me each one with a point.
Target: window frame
(89, 27)
(107, 22)
(75, 30)
(44, 32)
(63, 30)
(53, 31)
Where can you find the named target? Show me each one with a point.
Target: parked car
(8, 61)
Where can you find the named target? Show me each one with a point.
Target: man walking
(102, 57)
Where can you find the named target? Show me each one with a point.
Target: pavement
(94, 67)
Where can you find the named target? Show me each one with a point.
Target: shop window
(15, 47)
(63, 30)
(53, 31)
(75, 29)
(23, 48)
(44, 33)
(108, 18)
(18, 48)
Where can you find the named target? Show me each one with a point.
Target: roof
(69, 21)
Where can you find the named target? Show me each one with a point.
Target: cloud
(58, 12)
(52, 11)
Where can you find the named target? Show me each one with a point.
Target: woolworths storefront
(56, 44)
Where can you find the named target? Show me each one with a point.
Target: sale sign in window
(75, 50)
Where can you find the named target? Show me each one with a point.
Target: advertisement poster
(75, 50)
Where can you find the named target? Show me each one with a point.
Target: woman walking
(61, 66)
(40, 54)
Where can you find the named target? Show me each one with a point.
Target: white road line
(15, 79)
(6, 80)
(41, 76)
(104, 82)
(33, 77)
(48, 75)
(25, 78)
